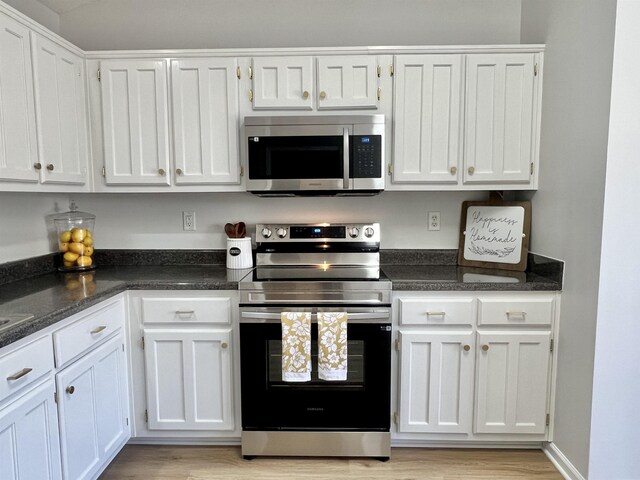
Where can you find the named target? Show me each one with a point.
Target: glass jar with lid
(75, 239)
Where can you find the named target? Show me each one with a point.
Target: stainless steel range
(316, 269)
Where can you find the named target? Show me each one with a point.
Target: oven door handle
(255, 317)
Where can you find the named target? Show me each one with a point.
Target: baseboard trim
(562, 463)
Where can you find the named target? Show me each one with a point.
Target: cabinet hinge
(379, 93)
(242, 170)
(238, 72)
(123, 347)
(99, 76)
(551, 345)
(55, 397)
(146, 416)
(395, 418)
(391, 70)
(535, 69)
(142, 342)
(390, 169)
(531, 168)
(251, 95)
(548, 419)
(104, 171)
(250, 73)
(127, 420)
(397, 344)
(379, 71)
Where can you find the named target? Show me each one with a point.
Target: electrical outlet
(433, 220)
(189, 221)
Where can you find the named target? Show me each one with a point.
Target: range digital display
(318, 232)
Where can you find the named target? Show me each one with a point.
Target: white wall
(154, 221)
(568, 207)
(615, 427)
(38, 12)
(25, 227)
(159, 24)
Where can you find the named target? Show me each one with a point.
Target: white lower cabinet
(188, 377)
(92, 409)
(481, 376)
(184, 353)
(29, 447)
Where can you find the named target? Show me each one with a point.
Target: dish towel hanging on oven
(296, 346)
(332, 346)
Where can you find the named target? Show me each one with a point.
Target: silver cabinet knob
(453, 170)
(305, 94)
(323, 95)
(178, 171)
(161, 171)
(471, 170)
(485, 348)
(50, 167)
(70, 389)
(224, 345)
(37, 166)
(466, 348)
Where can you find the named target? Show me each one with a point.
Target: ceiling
(62, 6)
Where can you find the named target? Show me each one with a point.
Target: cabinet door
(347, 82)
(427, 118)
(282, 83)
(205, 120)
(135, 121)
(18, 145)
(512, 383)
(188, 374)
(436, 382)
(61, 109)
(93, 406)
(499, 118)
(29, 446)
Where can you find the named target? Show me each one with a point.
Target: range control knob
(368, 232)
(354, 232)
(281, 232)
(266, 233)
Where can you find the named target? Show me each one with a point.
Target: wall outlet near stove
(433, 220)
(189, 221)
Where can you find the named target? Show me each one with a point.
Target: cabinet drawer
(186, 310)
(25, 365)
(74, 339)
(515, 312)
(446, 311)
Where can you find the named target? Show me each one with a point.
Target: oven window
(355, 367)
(296, 157)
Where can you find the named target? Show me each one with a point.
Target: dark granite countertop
(51, 297)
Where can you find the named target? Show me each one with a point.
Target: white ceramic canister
(239, 253)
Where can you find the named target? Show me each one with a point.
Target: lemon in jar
(78, 234)
(63, 246)
(70, 257)
(77, 248)
(88, 240)
(88, 251)
(84, 261)
(65, 237)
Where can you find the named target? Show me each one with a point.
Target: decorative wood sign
(495, 234)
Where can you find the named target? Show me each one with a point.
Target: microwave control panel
(366, 156)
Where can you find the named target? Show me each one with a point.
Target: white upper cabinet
(427, 118)
(205, 120)
(135, 122)
(61, 112)
(500, 118)
(346, 82)
(282, 83)
(18, 147)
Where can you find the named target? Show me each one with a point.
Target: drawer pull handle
(436, 314)
(522, 315)
(70, 389)
(466, 348)
(19, 374)
(485, 348)
(98, 329)
(185, 312)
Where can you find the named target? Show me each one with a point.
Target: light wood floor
(212, 463)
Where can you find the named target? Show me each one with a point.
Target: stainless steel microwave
(314, 155)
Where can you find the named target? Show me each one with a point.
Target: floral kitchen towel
(332, 346)
(296, 346)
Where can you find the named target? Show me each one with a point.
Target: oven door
(361, 403)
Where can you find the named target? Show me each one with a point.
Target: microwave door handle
(345, 158)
